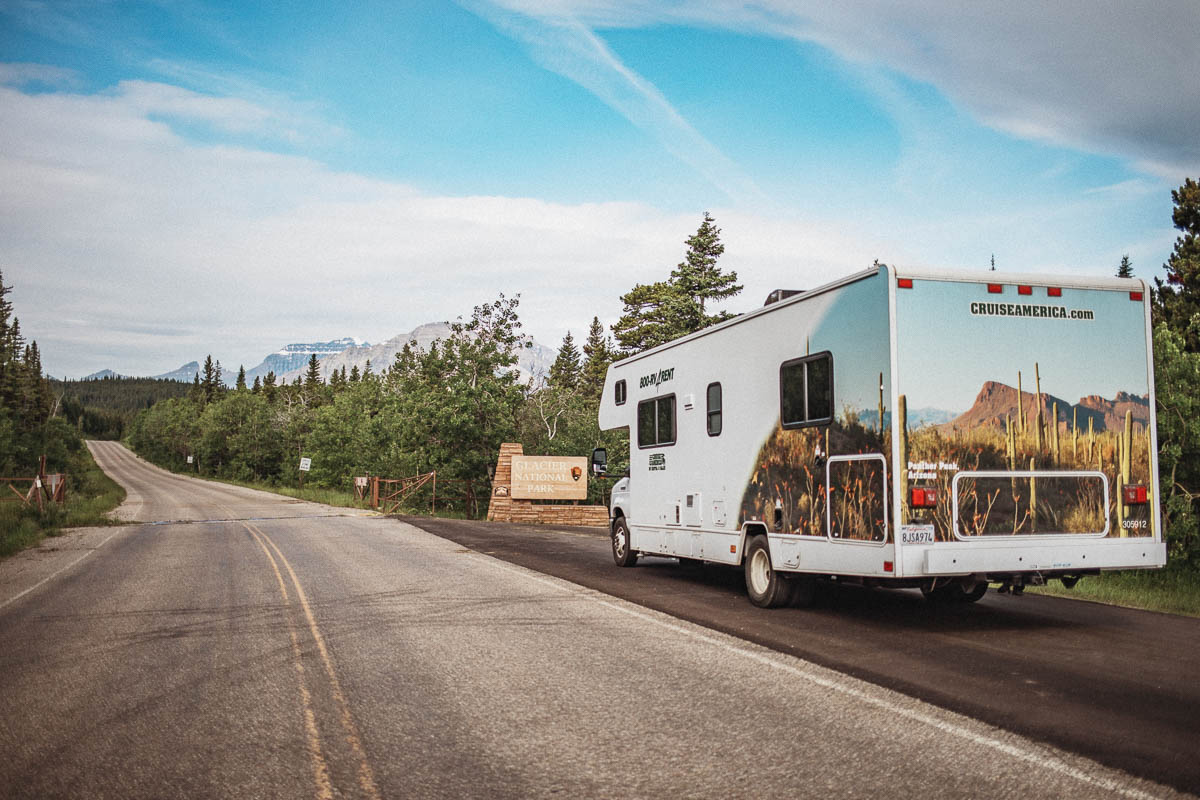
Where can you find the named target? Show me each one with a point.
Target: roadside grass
(1173, 590)
(90, 496)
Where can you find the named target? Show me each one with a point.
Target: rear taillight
(1135, 495)
(924, 497)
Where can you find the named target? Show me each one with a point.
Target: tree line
(30, 422)
(100, 408)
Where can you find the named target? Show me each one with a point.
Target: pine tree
(241, 378)
(1178, 300)
(564, 372)
(698, 276)
(1126, 268)
(312, 378)
(211, 381)
(354, 376)
(597, 355)
(257, 387)
(660, 312)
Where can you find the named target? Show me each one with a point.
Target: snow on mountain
(533, 361)
(293, 357)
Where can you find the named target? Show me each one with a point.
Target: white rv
(899, 428)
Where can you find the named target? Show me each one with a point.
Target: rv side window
(714, 409)
(656, 422)
(619, 392)
(806, 391)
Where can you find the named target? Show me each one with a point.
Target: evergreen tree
(313, 376)
(597, 355)
(564, 372)
(660, 312)
(269, 386)
(367, 369)
(699, 278)
(257, 387)
(241, 378)
(1177, 300)
(210, 384)
(1126, 268)
(354, 376)
(653, 314)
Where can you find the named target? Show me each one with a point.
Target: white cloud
(135, 249)
(132, 248)
(1106, 76)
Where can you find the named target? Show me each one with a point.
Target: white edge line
(60, 570)
(772, 658)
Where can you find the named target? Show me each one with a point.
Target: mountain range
(291, 360)
(532, 361)
(996, 401)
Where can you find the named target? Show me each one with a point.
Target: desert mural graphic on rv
(1046, 409)
(1031, 411)
(832, 478)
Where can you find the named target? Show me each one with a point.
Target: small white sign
(305, 464)
(37, 482)
(920, 533)
(189, 459)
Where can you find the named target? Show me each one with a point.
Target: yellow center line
(320, 769)
(366, 777)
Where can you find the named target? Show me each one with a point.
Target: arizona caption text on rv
(1029, 310)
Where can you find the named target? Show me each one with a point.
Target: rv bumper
(977, 557)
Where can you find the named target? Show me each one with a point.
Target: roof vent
(781, 294)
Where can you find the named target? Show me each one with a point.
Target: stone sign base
(503, 508)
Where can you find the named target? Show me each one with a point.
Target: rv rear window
(806, 391)
(656, 422)
(619, 392)
(714, 409)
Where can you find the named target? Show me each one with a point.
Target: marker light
(1137, 296)
(1024, 290)
(904, 283)
(887, 566)
(924, 497)
(1135, 495)
(1054, 291)
(995, 288)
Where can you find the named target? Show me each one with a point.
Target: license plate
(916, 534)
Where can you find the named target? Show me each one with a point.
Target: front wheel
(766, 587)
(623, 554)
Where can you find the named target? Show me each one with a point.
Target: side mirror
(599, 461)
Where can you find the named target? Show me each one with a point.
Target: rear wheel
(766, 587)
(975, 593)
(623, 554)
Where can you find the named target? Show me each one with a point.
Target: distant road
(230, 643)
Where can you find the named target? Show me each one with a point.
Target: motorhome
(898, 427)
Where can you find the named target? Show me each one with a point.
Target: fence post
(433, 505)
(374, 491)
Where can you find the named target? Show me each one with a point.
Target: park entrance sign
(520, 480)
(549, 478)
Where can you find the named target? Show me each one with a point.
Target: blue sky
(185, 178)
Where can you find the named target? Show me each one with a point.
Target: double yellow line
(366, 779)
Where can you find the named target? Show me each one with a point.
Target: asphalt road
(267, 648)
(1112, 683)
